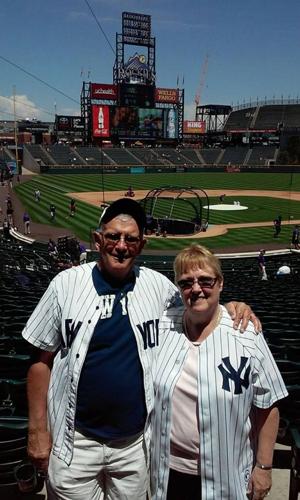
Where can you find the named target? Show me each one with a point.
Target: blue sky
(252, 46)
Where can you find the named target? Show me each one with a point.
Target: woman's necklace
(214, 324)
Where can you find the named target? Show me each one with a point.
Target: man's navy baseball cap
(125, 206)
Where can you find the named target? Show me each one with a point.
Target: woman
(215, 423)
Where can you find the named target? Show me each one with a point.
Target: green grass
(115, 182)
(54, 189)
(233, 238)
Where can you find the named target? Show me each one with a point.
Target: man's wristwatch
(263, 467)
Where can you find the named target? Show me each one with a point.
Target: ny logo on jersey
(71, 331)
(149, 331)
(229, 373)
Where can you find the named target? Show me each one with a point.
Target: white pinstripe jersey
(235, 371)
(64, 321)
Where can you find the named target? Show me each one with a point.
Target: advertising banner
(68, 123)
(171, 123)
(194, 127)
(169, 96)
(104, 91)
(77, 123)
(63, 122)
(100, 116)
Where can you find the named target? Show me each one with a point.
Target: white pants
(112, 471)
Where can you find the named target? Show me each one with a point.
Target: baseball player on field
(215, 419)
(90, 387)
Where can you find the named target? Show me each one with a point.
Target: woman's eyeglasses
(203, 282)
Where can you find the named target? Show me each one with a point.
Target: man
(262, 264)
(96, 328)
(277, 226)
(295, 237)
(52, 210)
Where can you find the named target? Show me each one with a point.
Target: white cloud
(24, 108)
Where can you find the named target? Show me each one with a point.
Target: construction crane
(202, 81)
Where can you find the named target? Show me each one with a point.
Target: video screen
(137, 122)
(151, 122)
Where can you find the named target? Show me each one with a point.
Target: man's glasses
(203, 282)
(114, 238)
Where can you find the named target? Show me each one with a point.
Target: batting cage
(176, 211)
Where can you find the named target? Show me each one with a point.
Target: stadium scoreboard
(133, 94)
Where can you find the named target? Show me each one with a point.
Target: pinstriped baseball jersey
(235, 372)
(64, 321)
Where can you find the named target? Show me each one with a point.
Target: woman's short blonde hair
(196, 257)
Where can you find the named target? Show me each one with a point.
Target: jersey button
(77, 355)
(89, 321)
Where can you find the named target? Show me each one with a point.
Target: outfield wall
(57, 169)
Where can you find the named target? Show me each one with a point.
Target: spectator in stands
(26, 221)
(277, 226)
(262, 264)
(52, 248)
(10, 214)
(97, 327)
(8, 202)
(82, 253)
(295, 237)
(52, 209)
(72, 207)
(6, 228)
(214, 392)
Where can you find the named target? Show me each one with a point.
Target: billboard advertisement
(169, 96)
(100, 121)
(194, 127)
(171, 123)
(104, 91)
(68, 123)
(63, 122)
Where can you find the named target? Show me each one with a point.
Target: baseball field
(266, 195)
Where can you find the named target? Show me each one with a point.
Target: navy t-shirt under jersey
(110, 397)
